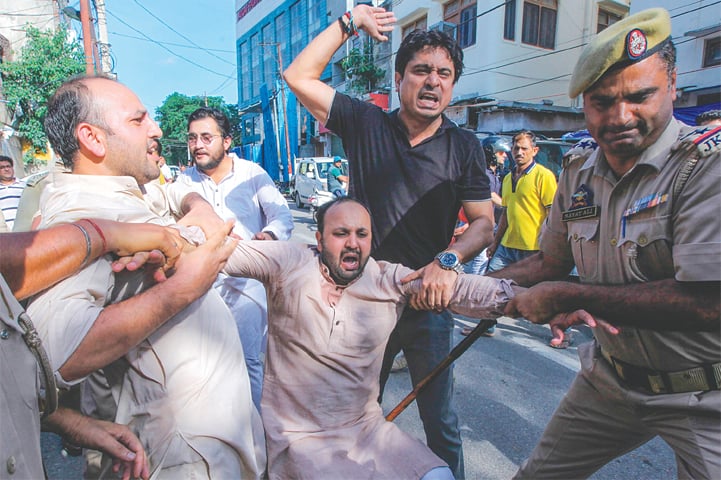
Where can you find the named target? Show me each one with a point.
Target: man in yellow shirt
(527, 194)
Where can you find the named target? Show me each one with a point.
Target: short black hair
(668, 56)
(5, 158)
(418, 39)
(216, 114)
(323, 209)
(708, 116)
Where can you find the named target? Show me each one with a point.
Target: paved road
(506, 389)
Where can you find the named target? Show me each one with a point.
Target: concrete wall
(509, 70)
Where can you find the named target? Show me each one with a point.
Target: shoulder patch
(582, 149)
(706, 140)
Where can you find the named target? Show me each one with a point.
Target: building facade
(519, 56)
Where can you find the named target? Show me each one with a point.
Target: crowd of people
(204, 344)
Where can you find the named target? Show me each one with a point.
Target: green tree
(359, 68)
(45, 62)
(172, 117)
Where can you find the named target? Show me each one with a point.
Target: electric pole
(103, 45)
(87, 36)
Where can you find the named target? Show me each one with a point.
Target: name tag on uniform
(581, 205)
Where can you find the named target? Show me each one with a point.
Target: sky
(164, 46)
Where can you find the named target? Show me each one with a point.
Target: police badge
(581, 205)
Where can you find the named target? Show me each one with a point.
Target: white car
(311, 175)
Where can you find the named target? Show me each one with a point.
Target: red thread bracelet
(100, 232)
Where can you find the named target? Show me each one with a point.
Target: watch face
(448, 260)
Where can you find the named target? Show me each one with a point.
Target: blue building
(269, 35)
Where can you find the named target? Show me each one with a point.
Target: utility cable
(164, 47)
(181, 35)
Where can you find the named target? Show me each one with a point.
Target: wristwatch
(450, 261)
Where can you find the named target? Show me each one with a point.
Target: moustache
(640, 126)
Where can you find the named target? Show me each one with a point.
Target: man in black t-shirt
(414, 168)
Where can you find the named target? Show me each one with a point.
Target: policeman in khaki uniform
(638, 213)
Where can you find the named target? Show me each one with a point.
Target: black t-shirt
(413, 193)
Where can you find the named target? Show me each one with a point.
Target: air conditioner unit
(445, 27)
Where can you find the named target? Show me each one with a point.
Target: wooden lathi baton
(457, 351)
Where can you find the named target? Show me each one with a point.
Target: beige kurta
(184, 390)
(325, 348)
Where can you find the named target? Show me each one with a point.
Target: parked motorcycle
(316, 199)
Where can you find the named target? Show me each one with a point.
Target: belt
(701, 378)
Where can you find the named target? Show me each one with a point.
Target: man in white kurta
(239, 190)
(179, 379)
(325, 347)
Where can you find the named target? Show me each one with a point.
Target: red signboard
(245, 9)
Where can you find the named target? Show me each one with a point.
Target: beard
(340, 275)
(211, 162)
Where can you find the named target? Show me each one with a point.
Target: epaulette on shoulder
(36, 178)
(706, 140)
(581, 150)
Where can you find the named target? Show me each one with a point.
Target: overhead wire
(182, 45)
(184, 37)
(182, 57)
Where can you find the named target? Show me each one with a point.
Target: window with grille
(509, 21)
(419, 24)
(463, 14)
(712, 52)
(539, 23)
(606, 19)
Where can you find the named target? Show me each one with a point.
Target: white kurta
(184, 390)
(248, 196)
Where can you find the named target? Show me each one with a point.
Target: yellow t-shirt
(526, 206)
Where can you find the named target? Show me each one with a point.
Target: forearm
(660, 305)
(64, 421)
(480, 230)
(475, 295)
(303, 74)
(33, 261)
(501, 230)
(197, 211)
(534, 269)
(122, 326)
(481, 297)
(477, 236)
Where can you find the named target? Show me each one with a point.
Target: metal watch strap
(458, 268)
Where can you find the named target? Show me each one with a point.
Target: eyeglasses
(206, 138)
(6, 167)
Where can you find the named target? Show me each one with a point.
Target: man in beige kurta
(326, 340)
(176, 368)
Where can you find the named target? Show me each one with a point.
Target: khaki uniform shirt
(19, 386)
(325, 349)
(642, 233)
(184, 390)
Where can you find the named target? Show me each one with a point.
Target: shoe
(399, 363)
(465, 331)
